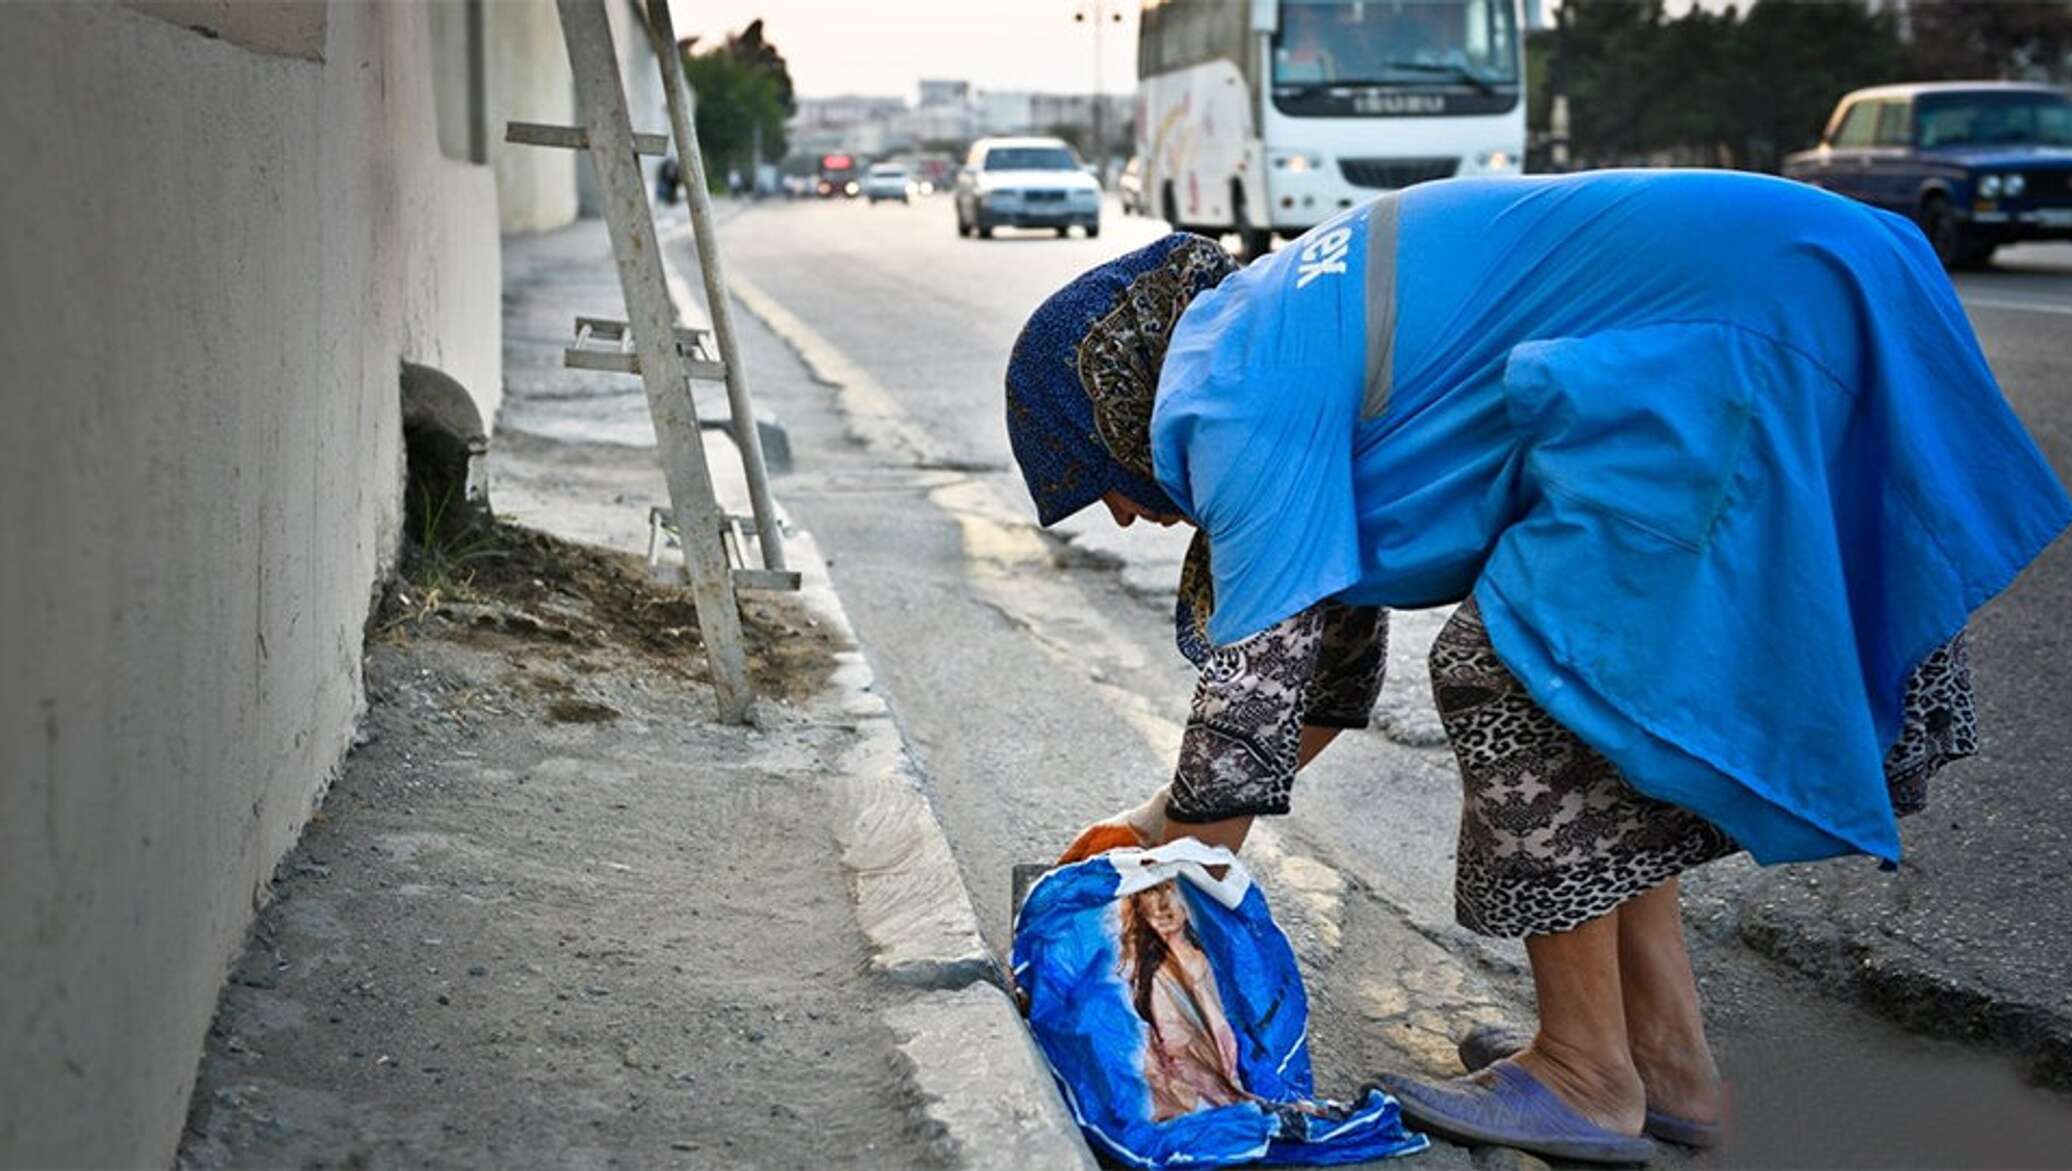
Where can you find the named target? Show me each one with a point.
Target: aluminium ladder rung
(623, 363)
(606, 327)
(619, 358)
(768, 579)
(733, 527)
(664, 518)
(576, 138)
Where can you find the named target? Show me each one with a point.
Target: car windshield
(1995, 119)
(1396, 42)
(1030, 158)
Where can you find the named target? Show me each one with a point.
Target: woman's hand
(1146, 825)
(1132, 829)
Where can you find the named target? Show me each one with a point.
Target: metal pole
(601, 102)
(661, 29)
(1100, 147)
(1557, 114)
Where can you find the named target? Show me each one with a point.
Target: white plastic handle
(1185, 858)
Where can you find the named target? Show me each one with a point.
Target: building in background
(949, 114)
(233, 225)
(938, 92)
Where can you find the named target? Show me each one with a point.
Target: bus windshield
(1396, 43)
(1995, 119)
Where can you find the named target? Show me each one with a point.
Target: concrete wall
(214, 255)
(529, 81)
(646, 106)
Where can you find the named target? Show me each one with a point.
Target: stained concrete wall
(529, 81)
(646, 106)
(215, 254)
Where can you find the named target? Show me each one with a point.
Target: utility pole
(1098, 13)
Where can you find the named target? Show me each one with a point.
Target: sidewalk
(552, 915)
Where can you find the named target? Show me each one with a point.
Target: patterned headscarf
(1084, 375)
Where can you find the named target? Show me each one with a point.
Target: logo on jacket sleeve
(1323, 256)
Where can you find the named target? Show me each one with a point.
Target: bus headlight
(1496, 160)
(1298, 163)
(1989, 187)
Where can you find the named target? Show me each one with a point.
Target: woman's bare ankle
(1604, 1088)
(1682, 1082)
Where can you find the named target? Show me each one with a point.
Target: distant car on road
(1026, 183)
(888, 181)
(1977, 164)
(838, 177)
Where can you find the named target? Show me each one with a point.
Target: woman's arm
(1264, 709)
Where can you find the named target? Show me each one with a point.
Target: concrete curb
(976, 1070)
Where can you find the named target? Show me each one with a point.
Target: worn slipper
(1490, 1043)
(1505, 1106)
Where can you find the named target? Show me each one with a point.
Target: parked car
(1129, 187)
(888, 181)
(1026, 183)
(1977, 164)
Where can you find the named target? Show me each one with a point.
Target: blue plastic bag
(1171, 1011)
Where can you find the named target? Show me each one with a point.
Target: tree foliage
(1966, 38)
(1744, 87)
(740, 87)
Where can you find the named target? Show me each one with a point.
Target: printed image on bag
(1170, 1009)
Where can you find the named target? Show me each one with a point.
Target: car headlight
(1989, 187)
(1001, 195)
(1298, 163)
(2016, 184)
(1085, 195)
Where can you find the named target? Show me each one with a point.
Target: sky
(854, 47)
(848, 46)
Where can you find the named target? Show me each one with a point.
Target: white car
(888, 181)
(1026, 183)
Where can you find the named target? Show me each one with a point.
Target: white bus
(1266, 117)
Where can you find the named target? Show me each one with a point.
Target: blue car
(1977, 164)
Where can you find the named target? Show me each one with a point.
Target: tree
(1716, 88)
(1970, 39)
(1797, 59)
(743, 97)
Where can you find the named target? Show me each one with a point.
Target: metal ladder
(650, 344)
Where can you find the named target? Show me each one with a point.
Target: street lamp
(1098, 13)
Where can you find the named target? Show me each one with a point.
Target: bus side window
(1148, 40)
